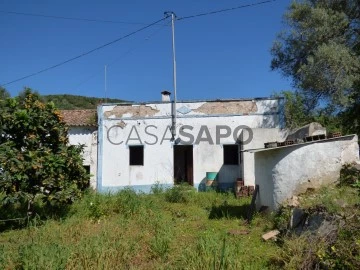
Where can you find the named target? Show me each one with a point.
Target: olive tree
(319, 49)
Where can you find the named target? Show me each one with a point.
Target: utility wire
(86, 53)
(225, 10)
(68, 18)
(123, 37)
(147, 38)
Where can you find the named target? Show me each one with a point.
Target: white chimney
(165, 96)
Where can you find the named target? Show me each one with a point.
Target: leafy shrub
(179, 193)
(282, 217)
(350, 176)
(95, 209)
(157, 188)
(345, 253)
(302, 252)
(309, 251)
(127, 202)
(37, 163)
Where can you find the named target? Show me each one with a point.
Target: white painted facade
(260, 136)
(121, 126)
(286, 171)
(88, 137)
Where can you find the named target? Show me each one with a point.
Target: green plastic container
(211, 175)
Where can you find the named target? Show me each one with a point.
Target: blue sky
(224, 55)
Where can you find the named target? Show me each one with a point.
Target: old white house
(82, 126)
(140, 144)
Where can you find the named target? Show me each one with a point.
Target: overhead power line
(134, 23)
(121, 38)
(225, 10)
(68, 18)
(86, 53)
(95, 74)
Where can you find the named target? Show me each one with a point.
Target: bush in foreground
(38, 166)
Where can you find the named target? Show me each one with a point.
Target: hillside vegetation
(71, 102)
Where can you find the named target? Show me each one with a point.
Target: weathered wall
(287, 171)
(193, 109)
(260, 136)
(116, 122)
(88, 137)
(311, 129)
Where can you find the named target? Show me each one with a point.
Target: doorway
(183, 164)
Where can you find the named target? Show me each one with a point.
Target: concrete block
(270, 235)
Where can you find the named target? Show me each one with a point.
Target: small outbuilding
(282, 172)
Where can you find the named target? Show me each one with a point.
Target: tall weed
(179, 193)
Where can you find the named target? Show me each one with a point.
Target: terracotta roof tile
(80, 117)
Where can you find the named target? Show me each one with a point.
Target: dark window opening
(231, 154)
(136, 155)
(87, 169)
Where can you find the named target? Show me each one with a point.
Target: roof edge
(191, 101)
(255, 150)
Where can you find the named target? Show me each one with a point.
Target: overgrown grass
(339, 248)
(171, 229)
(335, 199)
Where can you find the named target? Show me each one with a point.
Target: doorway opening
(183, 164)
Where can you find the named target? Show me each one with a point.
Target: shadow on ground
(229, 211)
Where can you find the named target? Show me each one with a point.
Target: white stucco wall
(287, 171)
(260, 136)
(114, 171)
(88, 137)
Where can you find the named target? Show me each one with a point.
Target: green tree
(320, 51)
(296, 112)
(36, 161)
(22, 95)
(3, 93)
(70, 102)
